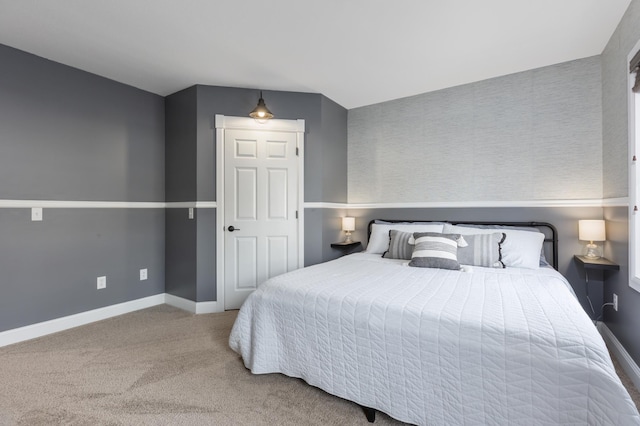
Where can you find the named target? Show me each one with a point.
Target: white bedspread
(430, 346)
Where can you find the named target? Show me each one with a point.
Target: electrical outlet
(190, 212)
(143, 274)
(615, 302)
(102, 282)
(36, 214)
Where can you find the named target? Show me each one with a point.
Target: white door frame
(244, 123)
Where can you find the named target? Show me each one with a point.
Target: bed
(477, 345)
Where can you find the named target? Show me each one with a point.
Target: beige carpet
(158, 366)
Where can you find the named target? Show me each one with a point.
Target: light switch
(190, 212)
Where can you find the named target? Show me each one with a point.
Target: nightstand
(347, 248)
(599, 264)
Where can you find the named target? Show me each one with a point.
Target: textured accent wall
(615, 129)
(534, 135)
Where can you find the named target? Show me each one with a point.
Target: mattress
(431, 346)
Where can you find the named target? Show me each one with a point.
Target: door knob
(232, 228)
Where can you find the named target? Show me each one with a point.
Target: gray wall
(70, 135)
(626, 322)
(49, 268)
(190, 252)
(181, 184)
(322, 227)
(325, 136)
(67, 135)
(181, 135)
(508, 138)
(181, 253)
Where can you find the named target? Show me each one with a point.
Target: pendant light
(261, 112)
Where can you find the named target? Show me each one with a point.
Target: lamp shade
(591, 230)
(348, 223)
(261, 112)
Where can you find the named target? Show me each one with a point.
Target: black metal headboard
(550, 232)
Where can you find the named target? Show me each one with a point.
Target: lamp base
(592, 251)
(347, 238)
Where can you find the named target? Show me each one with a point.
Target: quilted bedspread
(436, 347)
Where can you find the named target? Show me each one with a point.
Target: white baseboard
(32, 331)
(40, 329)
(191, 306)
(208, 308)
(626, 362)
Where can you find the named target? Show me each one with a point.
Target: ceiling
(356, 52)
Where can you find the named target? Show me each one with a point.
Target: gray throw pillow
(399, 247)
(482, 250)
(543, 260)
(433, 250)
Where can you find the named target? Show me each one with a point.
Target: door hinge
(296, 214)
(297, 151)
(633, 159)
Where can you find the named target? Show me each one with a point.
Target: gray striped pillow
(482, 250)
(433, 250)
(399, 247)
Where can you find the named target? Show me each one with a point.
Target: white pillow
(379, 239)
(520, 249)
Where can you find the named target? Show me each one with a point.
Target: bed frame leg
(370, 413)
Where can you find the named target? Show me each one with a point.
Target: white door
(260, 202)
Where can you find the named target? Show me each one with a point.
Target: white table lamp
(348, 225)
(591, 230)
